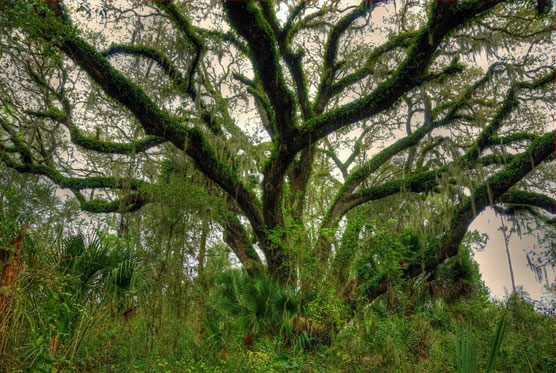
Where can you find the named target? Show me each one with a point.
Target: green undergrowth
(96, 307)
(380, 339)
(89, 301)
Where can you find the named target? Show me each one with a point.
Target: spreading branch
(443, 18)
(153, 120)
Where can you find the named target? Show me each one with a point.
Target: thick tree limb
(339, 208)
(132, 202)
(493, 189)
(237, 239)
(253, 27)
(270, 16)
(295, 65)
(331, 50)
(90, 143)
(419, 182)
(520, 197)
(248, 20)
(444, 17)
(74, 183)
(299, 177)
(152, 118)
(182, 83)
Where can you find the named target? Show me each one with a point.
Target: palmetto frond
(103, 271)
(259, 305)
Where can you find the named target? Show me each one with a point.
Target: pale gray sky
(493, 261)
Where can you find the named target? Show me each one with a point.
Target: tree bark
(10, 263)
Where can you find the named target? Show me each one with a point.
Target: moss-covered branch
(485, 138)
(356, 177)
(75, 183)
(418, 182)
(248, 20)
(306, 23)
(296, 12)
(237, 239)
(337, 210)
(58, 30)
(132, 202)
(251, 24)
(181, 82)
(261, 102)
(400, 41)
(270, 16)
(520, 197)
(493, 189)
(510, 102)
(443, 18)
(188, 30)
(229, 37)
(299, 177)
(92, 143)
(331, 50)
(295, 65)
(111, 147)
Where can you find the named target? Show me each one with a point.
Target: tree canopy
(295, 126)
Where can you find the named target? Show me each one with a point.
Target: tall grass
(466, 356)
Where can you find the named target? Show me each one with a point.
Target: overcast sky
(493, 261)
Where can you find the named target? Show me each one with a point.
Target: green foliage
(456, 278)
(466, 356)
(67, 313)
(387, 253)
(496, 343)
(159, 289)
(260, 305)
(254, 324)
(101, 267)
(380, 260)
(66, 295)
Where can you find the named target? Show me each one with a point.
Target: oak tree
(307, 119)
